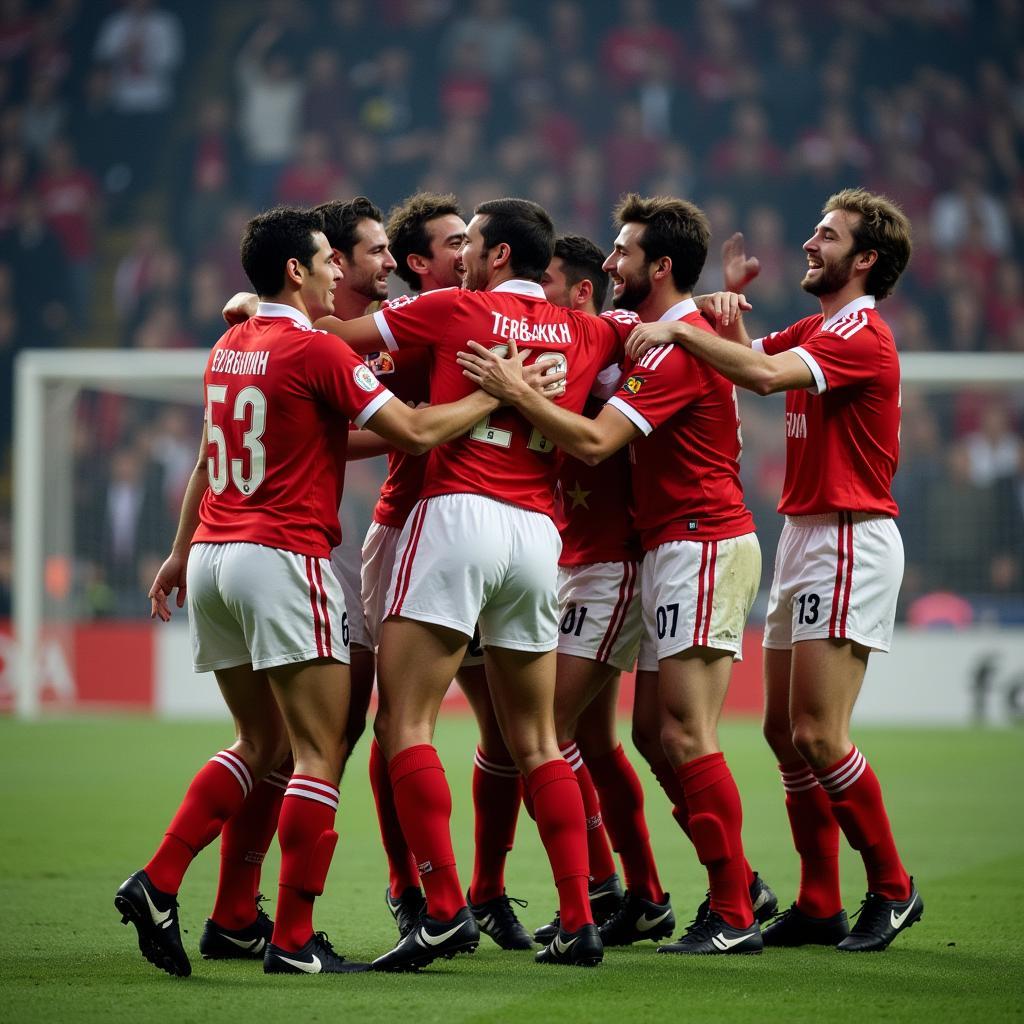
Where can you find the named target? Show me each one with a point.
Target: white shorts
(250, 604)
(837, 575)
(465, 559)
(699, 593)
(601, 615)
(346, 564)
(379, 549)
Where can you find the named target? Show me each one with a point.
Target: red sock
(424, 804)
(816, 838)
(307, 838)
(497, 793)
(216, 793)
(599, 851)
(558, 806)
(244, 842)
(622, 801)
(669, 782)
(401, 862)
(857, 803)
(716, 820)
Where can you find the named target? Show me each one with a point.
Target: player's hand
(647, 336)
(544, 375)
(170, 576)
(240, 307)
(501, 377)
(723, 308)
(738, 269)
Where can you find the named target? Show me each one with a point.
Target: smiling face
(630, 272)
(830, 254)
(474, 256)
(320, 281)
(367, 269)
(447, 235)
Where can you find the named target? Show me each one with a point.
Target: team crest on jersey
(364, 378)
(633, 384)
(380, 363)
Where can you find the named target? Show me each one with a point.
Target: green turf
(84, 802)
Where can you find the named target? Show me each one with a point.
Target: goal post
(49, 384)
(46, 385)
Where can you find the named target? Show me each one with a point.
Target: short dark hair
(582, 259)
(526, 228)
(674, 228)
(407, 230)
(881, 226)
(341, 221)
(271, 239)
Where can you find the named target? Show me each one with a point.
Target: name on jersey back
(230, 360)
(520, 329)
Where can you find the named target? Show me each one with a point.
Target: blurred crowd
(137, 137)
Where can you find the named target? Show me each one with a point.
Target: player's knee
(709, 838)
(648, 742)
(262, 752)
(812, 742)
(779, 737)
(679, 741)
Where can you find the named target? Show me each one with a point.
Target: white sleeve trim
(758, 345)
(373, 406)
(638, 421)
(385, 331)
(820, 384)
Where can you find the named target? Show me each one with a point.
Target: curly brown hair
(407, 229)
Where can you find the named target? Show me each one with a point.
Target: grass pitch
(83, 803)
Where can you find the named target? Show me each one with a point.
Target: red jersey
(407, 375)
(592, 508)
(279, 396)
(842, 435)
(686, 469)
(502, 457)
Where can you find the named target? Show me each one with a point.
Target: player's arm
(745, 367)
(171, 574)
(590, 440)
(418, 430)
(361, 334)
(365, 444)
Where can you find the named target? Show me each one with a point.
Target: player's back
(278, 398)
(503, 456)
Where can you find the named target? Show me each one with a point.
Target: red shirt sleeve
(417, 319)
(845, 360)
(341, 379)
(664, 381)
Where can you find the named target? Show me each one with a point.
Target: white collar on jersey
(521, 287)
(679, 310)
(285, 312)
(861, 302)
